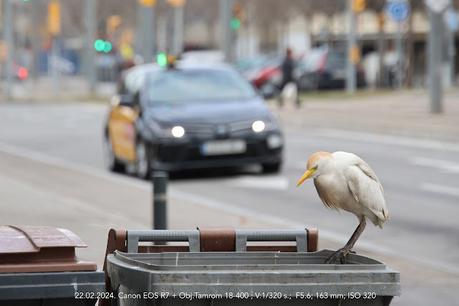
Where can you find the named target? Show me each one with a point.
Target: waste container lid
(40, 249)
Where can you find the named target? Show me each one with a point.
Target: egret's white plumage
(345, 181)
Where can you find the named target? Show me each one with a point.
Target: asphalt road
(420, 178)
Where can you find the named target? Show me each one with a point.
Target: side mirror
(126, 100)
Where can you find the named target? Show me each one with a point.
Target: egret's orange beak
(305, 176)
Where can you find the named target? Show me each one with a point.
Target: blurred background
(372, 77)
(95, 40)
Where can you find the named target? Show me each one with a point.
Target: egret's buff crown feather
(314, 158)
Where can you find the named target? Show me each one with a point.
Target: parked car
(187, 116)
(264, 72)
(325, 68)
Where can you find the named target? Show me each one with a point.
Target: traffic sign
(438, 6)
(452, 20)
(398, 10)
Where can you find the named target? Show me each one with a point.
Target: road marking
(276, 182)
(440, 164)
(440, 189)
(390, 140)
(218, 205)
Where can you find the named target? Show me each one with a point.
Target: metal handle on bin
(191, 236)
(300, 236)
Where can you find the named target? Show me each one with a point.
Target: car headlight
(258, 126)
(166, 130)
(178, 131)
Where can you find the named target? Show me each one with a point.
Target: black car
(325, 68)
(189, 116)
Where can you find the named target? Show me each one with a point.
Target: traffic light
(161, 59)
(103, 46)
(235, 23)
(355, 55)
(358, 6)
(176, 3)
(113, 23)
(236, 19)
(147, 3)
(54, 17)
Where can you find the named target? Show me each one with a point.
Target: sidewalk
(65, 89)
(403, 113)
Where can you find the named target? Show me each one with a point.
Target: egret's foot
(340, 255)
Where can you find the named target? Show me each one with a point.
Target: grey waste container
(38, 266)
(247, 278)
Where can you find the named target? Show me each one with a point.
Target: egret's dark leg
(342, 253)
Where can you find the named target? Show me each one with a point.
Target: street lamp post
(35, 41)
(179, 10)
(90, 8)
(9, 40)
(435, 62)
(225, 19)
(147, 29)
(351, 47)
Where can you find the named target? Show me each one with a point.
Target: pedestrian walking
(288, 66)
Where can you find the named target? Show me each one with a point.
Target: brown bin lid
(40, 249)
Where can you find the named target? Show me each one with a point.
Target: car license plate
(223, 147)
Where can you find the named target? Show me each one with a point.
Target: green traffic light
(161, 59)
(99, 45)
(107, 47)
(103, 46)
(235, 23)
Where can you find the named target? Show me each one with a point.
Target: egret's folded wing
(366, 189)
(366, 169)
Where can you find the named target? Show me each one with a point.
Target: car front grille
(212, 130)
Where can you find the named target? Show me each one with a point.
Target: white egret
(345, 181)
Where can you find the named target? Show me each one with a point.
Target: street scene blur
(178, 114)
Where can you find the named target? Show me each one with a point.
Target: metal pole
(351, 44)
(381, 51)
(9, 39)
(225, 19)
(90, 23)
(160, 180)
(401, 58)
(148, 34)
(435, 62)
(35, 40)
(138, 30)
(55, 57)
(178, 29)
(452, 56)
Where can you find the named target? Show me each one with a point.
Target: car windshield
(191, 86)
